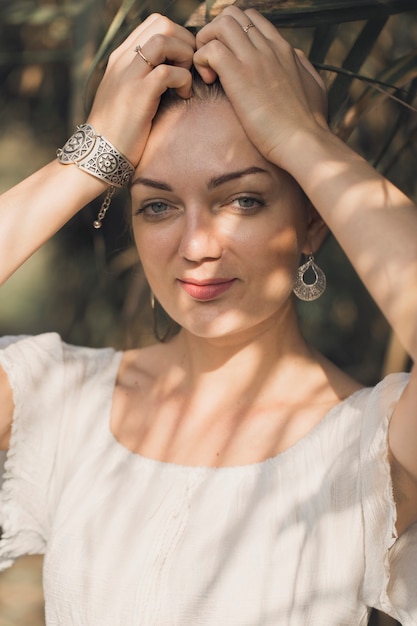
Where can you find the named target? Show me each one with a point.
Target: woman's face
(219, 229)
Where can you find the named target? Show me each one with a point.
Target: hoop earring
(309, 291)
(159, 337)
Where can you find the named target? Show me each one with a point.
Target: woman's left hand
(274, 90)
(280, 102)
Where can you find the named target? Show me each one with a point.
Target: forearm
(125, 104)
(32, 211)
(373, 221)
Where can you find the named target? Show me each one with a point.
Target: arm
(32, 211)
(125, 104)
(280, 102)
(376, 225)
(123, 110)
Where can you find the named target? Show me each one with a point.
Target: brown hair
(201, 92)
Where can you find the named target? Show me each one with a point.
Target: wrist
(94, 154)
(311, 153)
(128, 141)
(295, 147)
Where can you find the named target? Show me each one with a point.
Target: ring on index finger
(138, 49)
(247, 27)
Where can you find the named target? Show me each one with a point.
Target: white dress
(306, 538)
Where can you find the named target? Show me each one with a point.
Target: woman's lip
(206, 290)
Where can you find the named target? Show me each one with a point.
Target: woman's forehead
(197, 134)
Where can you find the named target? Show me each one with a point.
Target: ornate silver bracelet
(95, 155)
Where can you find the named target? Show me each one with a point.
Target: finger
(283, 48)
(210, 58)
(131, 40)
(165, 77)
(271, 33)
(314, 88)
(231, 31)
(263, 25)
(153, 25)
(165, 49)
(308, 67)
(230, 26)
(164, 26)
(265, 35)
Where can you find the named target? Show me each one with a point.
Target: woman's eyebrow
(212, 183)
(150, 182)
(220, 180)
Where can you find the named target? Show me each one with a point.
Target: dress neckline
(256, 466)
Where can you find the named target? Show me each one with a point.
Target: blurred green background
(86, 284)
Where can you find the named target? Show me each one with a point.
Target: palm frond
(406, 144)
(308, 13)
(354, 60)
(324, 36)
(397, 74)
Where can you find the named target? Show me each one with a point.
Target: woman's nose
(200, 238)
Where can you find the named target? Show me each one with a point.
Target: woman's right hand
(128, 95)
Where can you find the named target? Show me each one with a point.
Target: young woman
(231, 475)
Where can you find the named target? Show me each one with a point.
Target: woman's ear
(316, 231)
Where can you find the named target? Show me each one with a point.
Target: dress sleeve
(35, 367)
(390, 583)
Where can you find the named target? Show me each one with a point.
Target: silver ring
(138, 49)
(247, 27)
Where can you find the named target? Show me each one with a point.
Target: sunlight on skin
(345, 187)
(251, 330)
(214, 241)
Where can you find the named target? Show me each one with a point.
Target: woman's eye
(247, 203)
(154, 209)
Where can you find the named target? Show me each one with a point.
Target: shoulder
(49, 343)
(360, 416)
(373, 407)
(44, 377)
(47, 355)
(376, 401)
(381, 400)
(44, 364)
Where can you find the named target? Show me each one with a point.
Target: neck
(243, 363)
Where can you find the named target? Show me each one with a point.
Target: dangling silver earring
(312, 290)
(160, 337)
